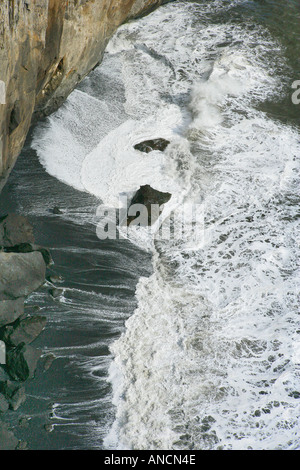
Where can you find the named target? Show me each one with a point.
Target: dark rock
(22, 248)
(150, 145)
(14, 230)
(56, 210)
(14, 393)
(56, 292)
(54, 279)
(10, 310)
(24, 331)
(22, 361)
(3, 404)
(45, 254)
(8, 440)
(29, 248)
(147, 196)
(266, 410)
(295, 394)
(20, 274)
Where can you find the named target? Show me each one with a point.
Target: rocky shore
(47, 48)
(22, 270)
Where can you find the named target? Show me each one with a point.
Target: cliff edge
(46, 48)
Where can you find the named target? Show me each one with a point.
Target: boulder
(22, 362)
(56, 210)
(20, 274)
(150, 145)
(46, 255)
(147, 196)
(55, 278)
(56, 292)
(8, 440)
(14, 393)
(17, 399)
(14, 230)
(28, 248)
(10, 310)
(24, 331)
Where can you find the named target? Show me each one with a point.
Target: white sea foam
(115, 167)
(210, 357)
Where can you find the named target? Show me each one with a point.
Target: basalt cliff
(46, 48)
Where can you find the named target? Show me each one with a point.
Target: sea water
(210, 357)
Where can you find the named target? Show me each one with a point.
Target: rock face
(22, 270)
(20, 274)
(10, 310)
(22, 362)
(7, 439)
(147, 196)
(24, 331)
(14, 230)
(149, 145)
(47, 47)
(13, 393)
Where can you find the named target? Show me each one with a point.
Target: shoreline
(22, 271)
(69, 406)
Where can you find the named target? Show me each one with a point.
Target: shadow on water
(73, 398)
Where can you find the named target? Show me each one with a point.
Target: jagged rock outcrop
(147, 197)
(46, 48)
(22, 270)
(15, 229)
(20, 274)
(149, 145)
(22, 361)
(24, 331)
(11, 310)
